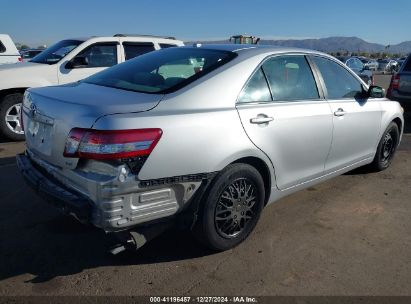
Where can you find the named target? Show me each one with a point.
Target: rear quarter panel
(192, 141)
(202, 131)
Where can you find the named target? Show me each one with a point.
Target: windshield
(56, 52)
(162, 71)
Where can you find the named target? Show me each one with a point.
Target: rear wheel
(386, 148)
(232, 207)
(10, 108)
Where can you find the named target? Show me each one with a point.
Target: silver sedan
(205, 136)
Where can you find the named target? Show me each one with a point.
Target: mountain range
(334, 44)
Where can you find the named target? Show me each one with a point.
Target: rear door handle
(340, 112)
(260, 119)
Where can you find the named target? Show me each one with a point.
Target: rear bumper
(110, 204)
(52, 191)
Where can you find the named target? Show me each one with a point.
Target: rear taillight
(20, 59)
(395, 82)
(113, 144)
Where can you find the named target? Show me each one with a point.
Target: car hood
(26, 75)
(20, 66)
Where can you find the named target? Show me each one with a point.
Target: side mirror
(77, 62)
(376, 92)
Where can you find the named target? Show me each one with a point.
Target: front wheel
(386, 148)
(10, 108)
(232, 207)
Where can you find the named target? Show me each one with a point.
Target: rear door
(134, 49)
(284, 115)
(356, 120)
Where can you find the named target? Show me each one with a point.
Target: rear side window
(407, 66)
(2, 47)
(339, 82)
(256, 89)
(134, 49)
(290, 78)
(163, 71)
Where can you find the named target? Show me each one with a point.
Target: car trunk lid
(50, 113)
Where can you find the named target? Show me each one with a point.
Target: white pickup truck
(8, 50)
(64, 62)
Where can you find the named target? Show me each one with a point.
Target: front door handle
(340, 112)
(261, 119)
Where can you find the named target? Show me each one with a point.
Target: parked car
(400, 87)
(29, 54)
(8, 51)
(359, 68)
(67, 61)
(372, 65)
(139, 145)
(382, 63)
(392, 67)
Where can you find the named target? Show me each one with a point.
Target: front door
(356, 120)
(96, 57)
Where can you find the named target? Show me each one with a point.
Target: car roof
(148, 37)
(252, 49)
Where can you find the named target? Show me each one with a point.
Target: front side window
(162, 71)
(100, 55)
(256, 89)
(339, 82)
(290, 78)
(56, 52)
(134, 49)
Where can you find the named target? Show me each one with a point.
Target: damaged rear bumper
(52, 191)
(109, 203)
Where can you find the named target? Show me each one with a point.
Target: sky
(47, 21)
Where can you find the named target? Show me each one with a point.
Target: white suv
(8, 51)
(64, 62)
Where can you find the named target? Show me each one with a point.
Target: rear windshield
(162, 71)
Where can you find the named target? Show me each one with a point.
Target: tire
(9, 108)
(386, 148)
(219, 225)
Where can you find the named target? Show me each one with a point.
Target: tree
(21, 46)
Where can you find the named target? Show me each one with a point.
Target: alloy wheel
(13, 119)
(235, 208)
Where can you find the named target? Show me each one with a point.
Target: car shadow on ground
(62, 246)
(39, 240)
